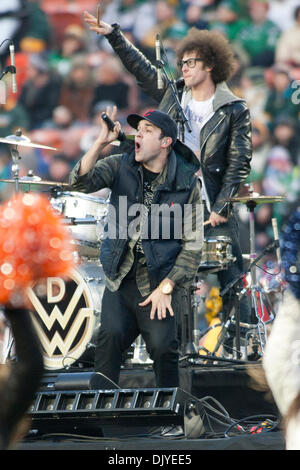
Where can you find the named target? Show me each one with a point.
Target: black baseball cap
(159, 119)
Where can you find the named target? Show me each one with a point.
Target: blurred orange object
(34, 244)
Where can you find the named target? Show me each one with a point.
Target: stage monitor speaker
(92, 410)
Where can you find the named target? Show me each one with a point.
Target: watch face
(167, 288)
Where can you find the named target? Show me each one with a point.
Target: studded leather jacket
(225, 140)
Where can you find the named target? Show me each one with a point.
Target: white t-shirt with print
(197, 114)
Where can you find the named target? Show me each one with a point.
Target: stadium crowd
(66, 76)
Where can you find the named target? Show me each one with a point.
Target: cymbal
(23, 141)
(36, 180)
(257, 199)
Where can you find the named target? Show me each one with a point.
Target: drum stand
(187, 323)
(260, 304)
(15, 166)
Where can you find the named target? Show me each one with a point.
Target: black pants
(122, 320)
(234, 270)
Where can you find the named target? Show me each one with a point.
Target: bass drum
(67, 316)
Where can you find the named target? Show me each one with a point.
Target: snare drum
(86, 236)
(67, 315)
(216, 253)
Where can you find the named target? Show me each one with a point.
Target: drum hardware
(68, 317)
(259, 298)
(17, 140)
(140, 354)
(251, 201)
(34, 180)
(259, 301)
(77, 221)
(212, 263)
(99, 280)
(188, 319)
(86, 214)
(216, 254)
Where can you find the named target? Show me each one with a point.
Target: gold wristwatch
(166, 287)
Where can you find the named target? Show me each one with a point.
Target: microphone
(13, 68)
(111, 125)
(276, 238)
(158, 63)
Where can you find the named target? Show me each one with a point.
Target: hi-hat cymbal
(257, 199)
(23, 141)
(36, 180)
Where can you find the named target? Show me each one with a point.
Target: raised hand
(101, 28)
(107, 136)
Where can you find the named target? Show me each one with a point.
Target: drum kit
(67, 313)
(217, 256)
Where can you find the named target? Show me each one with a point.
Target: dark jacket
(226, 148)
(122, 174)
(160, 253)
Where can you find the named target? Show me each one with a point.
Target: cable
(274, 424)
(8, 39)
(267, 272)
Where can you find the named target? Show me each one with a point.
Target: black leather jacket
(226, 148)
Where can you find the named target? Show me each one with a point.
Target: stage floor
(226, 387)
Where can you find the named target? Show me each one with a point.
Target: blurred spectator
(165, 22)
(255, 90)
(286, 134)
(281, 176)
(235, 81)
(261, 145)
(261, 149)
(279, 99)
(134, 16)
(59, 168)
(40, 93)
(77, 90)
(228, 19)
(74, 43)
(281, 12)
(259, 38)
(37, 37)
(278, 172)
(12, 117)
(110, 84)
(288, 46)
(62, 118)
(192, 15)
(13, 24)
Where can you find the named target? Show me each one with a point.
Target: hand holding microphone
(111, 126)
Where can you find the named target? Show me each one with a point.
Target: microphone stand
(181, 118)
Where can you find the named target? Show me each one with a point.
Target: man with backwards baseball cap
(145, 271)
